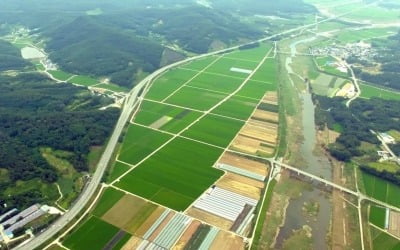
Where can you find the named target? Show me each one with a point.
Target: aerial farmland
(190, 172)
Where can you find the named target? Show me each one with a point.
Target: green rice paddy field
(179, 172)
(182, 170)
(377, 216)
(381, 189)
(382, 240)
(93, 234)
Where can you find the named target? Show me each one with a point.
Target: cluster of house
(361, 50)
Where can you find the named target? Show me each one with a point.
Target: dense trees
(10, 57)
(35, 113)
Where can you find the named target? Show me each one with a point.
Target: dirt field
(244, 163)
(241, 185)
(149, 222)
(161, 226)
(248, 145)
(394, 224)
(266, 116)
(133, 243)
(271, 97)
(260, 133)
(160, 122)
(123, 211)
(187, 235)
(227, 241)
(210, 218)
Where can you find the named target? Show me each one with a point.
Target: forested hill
(36, 113)
(87, 46)
(10, 57)
(251, 7)
(193, 28)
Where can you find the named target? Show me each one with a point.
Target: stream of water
(317, 165)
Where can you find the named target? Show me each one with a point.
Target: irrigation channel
(316, 165)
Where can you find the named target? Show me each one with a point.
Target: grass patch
(215, 130)
(93, 234)
(109, 197)
(183, 167)
(60, 75)
(139, 142)
(83, 80)
(369, 91)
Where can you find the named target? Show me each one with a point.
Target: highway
(132, 100)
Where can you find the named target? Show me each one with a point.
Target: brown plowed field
(227, 241)
(161, 226)
(187, 235)
(244, 163)
(271, 97)
(149, 222)
(241, 185)
(133, 243)
(394, 223)
(123, 211)
(210, 218)
(266, 116)
(248, 145)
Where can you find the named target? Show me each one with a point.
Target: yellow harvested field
(210, 218)
(394, 223)
(260, 133)
(271, 97)
(123, 211)
(244, 163)
(248, 145)
(227, 241)
(187, 235)
(266, 115)
(133, 243)
(161, 226)
(346, 91)
(149, 221)
(241, 185)
(263, 124)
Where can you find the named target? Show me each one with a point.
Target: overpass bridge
(357, 194)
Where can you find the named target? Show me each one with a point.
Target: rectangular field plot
(255, 89)
(93, 234)
(107, 200)
(267, 72)
(60, 75)
(167, 83)
(140, 142)
(165, 117)
(224, 65)
(254, 54)
(200, 64)
(195, 98)
(237, 107)
(381, 189)
(377, 216)
(216, 82)
(215, 130)
(182, 170)
(117, 170)
(382, 240)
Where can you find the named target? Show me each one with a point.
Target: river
(317, 165)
